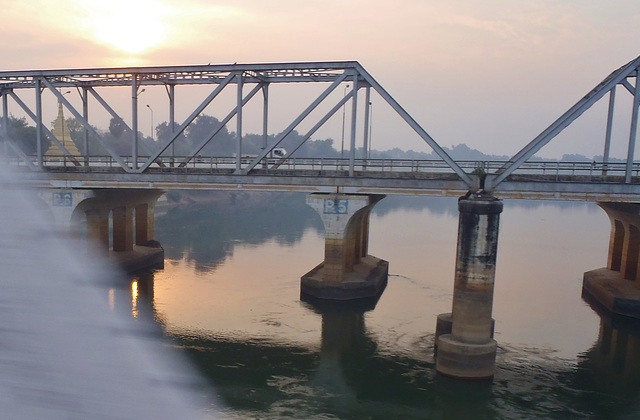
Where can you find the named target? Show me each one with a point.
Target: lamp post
(370, 128)
(151, 109)
(343, 118)
(136, 91)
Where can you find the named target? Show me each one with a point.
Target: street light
(370, 127)
(150, 109)
(343, 117)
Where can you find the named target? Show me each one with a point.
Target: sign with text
(336, 206)
(62, 199)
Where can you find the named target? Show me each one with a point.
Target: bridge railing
(558, 168)
(274, 166)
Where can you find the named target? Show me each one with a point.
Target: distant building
(62, 133)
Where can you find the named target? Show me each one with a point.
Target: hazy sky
(492, 74)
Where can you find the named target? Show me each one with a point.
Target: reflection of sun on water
(134, 298)
(112, 298)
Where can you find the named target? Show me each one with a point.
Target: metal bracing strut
(226, 119)
(85, 123)
(619, 76)
(188, 121)
(333, 73)
(416, 127)
(45, 129)
(633, 129)
(297, 121)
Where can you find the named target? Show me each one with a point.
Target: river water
(228, 296)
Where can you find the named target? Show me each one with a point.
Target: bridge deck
(586, 181)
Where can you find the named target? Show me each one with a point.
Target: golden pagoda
(62, 133)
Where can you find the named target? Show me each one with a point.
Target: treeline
(118, 138)
(224, 143)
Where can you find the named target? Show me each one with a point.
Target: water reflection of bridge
(349, 376)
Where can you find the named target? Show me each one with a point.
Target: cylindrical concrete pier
(469, 351)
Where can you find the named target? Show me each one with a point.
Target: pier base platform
(139, 258)
(368, 279)
(466, 360)
(608, 288)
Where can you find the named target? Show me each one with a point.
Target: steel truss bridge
(520, 176)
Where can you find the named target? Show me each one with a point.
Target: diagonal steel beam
(633, 130)
(297, 121)
(88, 126)
(115, 115)
(616, 77)
(628, 86)
(18, 151)
(416, 127)
(226, 119)
(48, 132)
(315, 128)
(188, 121)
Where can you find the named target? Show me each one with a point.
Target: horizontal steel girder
(565, 187)
(181, 75)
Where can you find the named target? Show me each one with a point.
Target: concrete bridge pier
(120, 222)
(617, 286)
(347, 272)
(98, 227)
(468, 350)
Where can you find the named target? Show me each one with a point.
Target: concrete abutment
(347, 272)
(617, 286)
(465, 345)
(119, 222)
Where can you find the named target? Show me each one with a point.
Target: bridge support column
(98, 227)
(469, 351)
(347, 271)
(144, 223)
(617, 286)
(132, 216)
(122, 229)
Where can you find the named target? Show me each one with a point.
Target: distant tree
(253, 144)
(76, 129)
(116, 128)
(575, 157)
(318, 148)
(223, 144)
(600, 158)
(25, 136)
(164, 134)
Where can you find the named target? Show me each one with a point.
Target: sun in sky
(130, 26)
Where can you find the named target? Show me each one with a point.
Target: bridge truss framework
(249, 80)
(259, 76)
